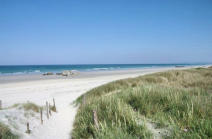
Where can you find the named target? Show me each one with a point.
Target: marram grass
(179, 100)
(5, 133)
(28, 106)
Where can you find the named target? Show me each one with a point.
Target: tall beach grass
(5, 133)
(178, 100)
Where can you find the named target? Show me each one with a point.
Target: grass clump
(115, 119)
(5, 133)
(180, 100)
(28, 106)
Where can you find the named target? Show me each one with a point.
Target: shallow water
(37, 69)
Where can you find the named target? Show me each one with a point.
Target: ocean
(38, 69)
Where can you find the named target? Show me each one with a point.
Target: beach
(38, 89)
(105, 69)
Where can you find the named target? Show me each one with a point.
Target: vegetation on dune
(178, 100)
(5, 133)
(28, 106)
(117, 119)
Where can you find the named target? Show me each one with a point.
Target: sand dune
(65, 91)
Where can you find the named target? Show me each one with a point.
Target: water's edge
(39, 69)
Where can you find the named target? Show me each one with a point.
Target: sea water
(38, 69)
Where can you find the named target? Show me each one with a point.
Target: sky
(105, 31)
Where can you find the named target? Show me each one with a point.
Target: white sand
(65, 91)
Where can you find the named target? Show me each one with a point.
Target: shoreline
(5, 79)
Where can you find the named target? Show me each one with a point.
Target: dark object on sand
(179, 66)
(48, 73)
(28, 131)
(54, 106)
(47, 110)
(41, 115)
(58, 73)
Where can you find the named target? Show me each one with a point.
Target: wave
(100, 68)
(20, 72)
(37, 71)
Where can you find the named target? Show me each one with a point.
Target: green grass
(176, 100)
(5, 133)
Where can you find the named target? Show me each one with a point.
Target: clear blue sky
(105, 31)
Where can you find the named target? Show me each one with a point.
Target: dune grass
(177, 100)
(5, 133)
(28, 106)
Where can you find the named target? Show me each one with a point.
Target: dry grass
(28, 106)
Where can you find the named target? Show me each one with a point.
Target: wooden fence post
(0, 104)
(54, 106)
(41, 115)
(95, 118)
(50, 113)
(47, 110)
(83, 102)
(28, 130)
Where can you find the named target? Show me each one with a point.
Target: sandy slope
(65, 91)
